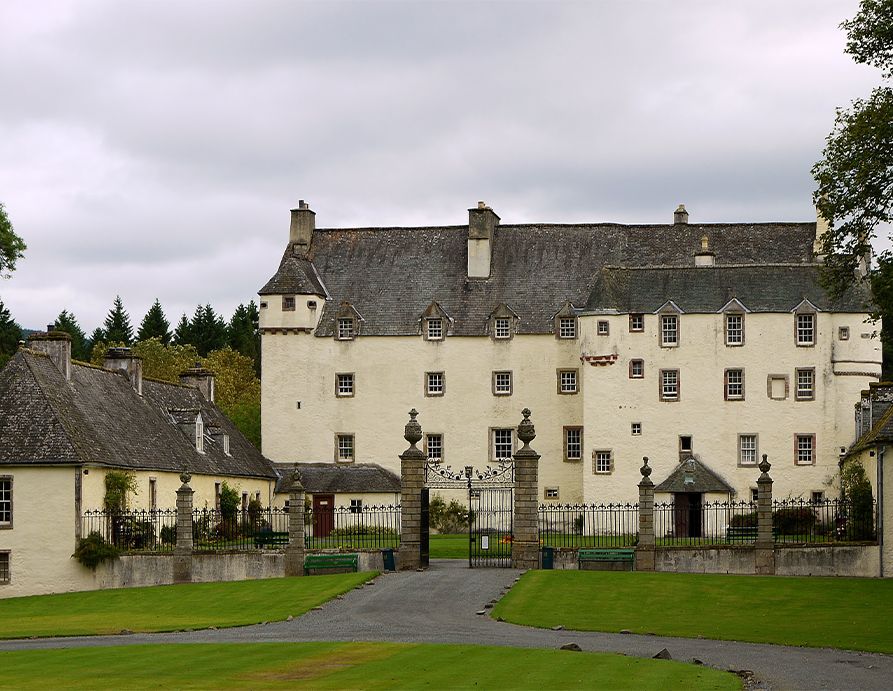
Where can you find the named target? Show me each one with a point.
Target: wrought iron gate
(490, 526)
(425, 528)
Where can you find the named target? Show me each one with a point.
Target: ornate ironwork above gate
(440, 476)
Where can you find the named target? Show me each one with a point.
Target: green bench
(270, 538)
(330, 563)
(745, 533)
(607, 559)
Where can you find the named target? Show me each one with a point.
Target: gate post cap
(296, 485)
(413, 430)
(526, 431)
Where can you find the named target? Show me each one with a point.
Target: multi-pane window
(4, 568)
(804, 449)
(805, 384)
(843, 333)
(669, 385)
(434, 383)
(434, 447)
(502, 383)
(503, 444)
(567, 327)
(344, 384)
(356, 506)
(434, 328)
(635, 428)
(5, 502)
(345, 450)
(345, 328)
(502, 327)
(734, 329)
(636, 369)
(573, 443)
(567, 381)
(817, 497)
(669, 329)
(551, 493)
(288, 303)
(602, 327)
(602, 462)
(637, 322)
(747, 449)
(734, 385)
(805, 329)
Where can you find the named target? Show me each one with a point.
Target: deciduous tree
(12, 248)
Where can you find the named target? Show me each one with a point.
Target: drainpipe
(880, 506)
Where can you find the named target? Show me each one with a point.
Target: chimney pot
(680, 216)
(482, 205)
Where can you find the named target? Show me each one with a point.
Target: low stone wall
(794, 560)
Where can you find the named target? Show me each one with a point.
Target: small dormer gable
(735, 306)
(192, 424)
(805, 306)
(348, 322)
(435, 323)
(669, 307)
(565, 321)
(502, 323)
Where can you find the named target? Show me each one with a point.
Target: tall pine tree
(10, 335)
(155, 325)
(117, 324)
(208, 330)
(183, 332)
(243, 334)
(67, 322)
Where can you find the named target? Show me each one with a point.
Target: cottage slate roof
(390, 275)
(330, 478)
(760, 288)
(880, 433)
(705, 480)
(98, 418)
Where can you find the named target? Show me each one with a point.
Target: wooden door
(323, 514)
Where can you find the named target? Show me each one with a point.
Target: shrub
(448, 518)
(578, 525)
(119, 485)
(857, 492)
(744, 520)
(93, 550)
(794, 520)
(168, 534)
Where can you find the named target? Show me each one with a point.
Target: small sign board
(485, 542)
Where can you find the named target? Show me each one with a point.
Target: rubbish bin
(548, 557)
(387, 556)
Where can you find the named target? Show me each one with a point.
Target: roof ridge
(575, 224)
(668, 267)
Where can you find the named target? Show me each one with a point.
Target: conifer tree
(183, 332)
(97, 337)
(67, 322)
(242, 332)
(208, 330)
(155, 325)
(10, 335)
(117, 324)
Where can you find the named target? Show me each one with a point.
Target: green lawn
(170, 607)
(835, 612)
(345, 666)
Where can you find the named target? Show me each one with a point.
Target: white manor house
(713, 342)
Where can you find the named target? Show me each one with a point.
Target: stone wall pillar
(183, 550)
(295, 550)
(525, 519)
(765, 544)
(645, 548)
(412, 481)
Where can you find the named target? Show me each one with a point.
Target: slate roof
(705, 480)
(760, 288)
(880, 433)
(330, 478)
(97, 418)
(390, 275)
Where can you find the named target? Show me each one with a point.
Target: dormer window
(502, 328)
(669, 330)
(288, 303)
(346, 330)
(199, 434)
(567, 327)
(503, 322)
(226, 445)
(805, 329)
(434, 329)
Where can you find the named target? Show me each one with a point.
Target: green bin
(548, 557)
(387, 556)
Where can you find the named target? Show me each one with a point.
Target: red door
(323, 514)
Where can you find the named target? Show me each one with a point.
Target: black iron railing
(708, 523)
(588, 525)
(150, 530)
(830, 520)
(352, 527)
(213, 530)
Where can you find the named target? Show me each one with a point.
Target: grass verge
(170, 607)
(819, 612)
(345, 666)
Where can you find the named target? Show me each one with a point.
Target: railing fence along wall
(346, 527)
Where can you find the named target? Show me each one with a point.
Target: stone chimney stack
(200, 378)
(705, 257)
(680, 216)
(123, 359)
(482, 223)
(821, 227)
(303, 223)
(56, 345)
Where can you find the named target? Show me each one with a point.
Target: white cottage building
(707, 341)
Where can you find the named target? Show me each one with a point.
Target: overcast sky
(154, 149)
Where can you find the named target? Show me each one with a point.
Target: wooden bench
(270, 538)
(606, 559)
(330, 563)
(744, 533)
